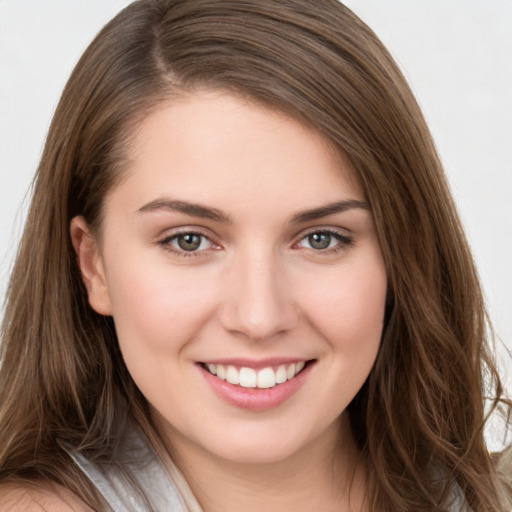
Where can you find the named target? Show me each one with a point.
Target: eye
(324, 240)
(187, 242)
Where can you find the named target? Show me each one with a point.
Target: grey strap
(139, 483)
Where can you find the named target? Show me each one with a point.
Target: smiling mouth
(263, 378)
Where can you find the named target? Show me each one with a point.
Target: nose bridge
(259, 303)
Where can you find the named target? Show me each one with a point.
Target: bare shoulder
(39, 498)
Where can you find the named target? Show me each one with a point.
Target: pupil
(319, 240)
(189, 242)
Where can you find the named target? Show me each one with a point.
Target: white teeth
(290, 372)
(247, 378)
(221, 372)
(281, 374)
(232, 375)
(250, 378)
(266, 378)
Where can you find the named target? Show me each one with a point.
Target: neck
(327, 474)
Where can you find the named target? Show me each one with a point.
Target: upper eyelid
(324, 229)
(196, 230)
(166, 239)
(315, 229)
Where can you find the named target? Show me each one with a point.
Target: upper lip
(256, 363)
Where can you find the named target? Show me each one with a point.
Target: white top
(139, 481)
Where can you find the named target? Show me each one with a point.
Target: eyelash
(166, 244)
(344, 242)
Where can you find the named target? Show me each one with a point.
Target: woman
(250, 288)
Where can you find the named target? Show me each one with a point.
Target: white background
(457, 55)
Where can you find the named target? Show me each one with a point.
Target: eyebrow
(206, 212)
(329, 209)
(192, 209)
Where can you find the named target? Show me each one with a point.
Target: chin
(260, 443)
(257, 453)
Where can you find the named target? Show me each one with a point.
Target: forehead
(214, 146)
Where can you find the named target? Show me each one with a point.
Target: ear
(91, 267)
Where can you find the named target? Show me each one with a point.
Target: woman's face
(239, 245)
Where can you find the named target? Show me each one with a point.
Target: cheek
(349, 306)
(157, 313)
(156, 307)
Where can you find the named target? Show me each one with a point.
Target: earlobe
(91, 266)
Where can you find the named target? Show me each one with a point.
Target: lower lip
(256, 399)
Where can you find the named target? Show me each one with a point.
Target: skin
(255, 288)
(39, 497)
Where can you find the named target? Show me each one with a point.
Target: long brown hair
(420, 416)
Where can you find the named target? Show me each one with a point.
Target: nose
(258, 302)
